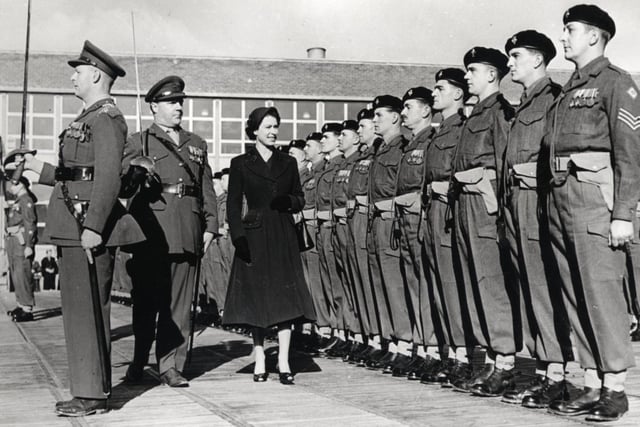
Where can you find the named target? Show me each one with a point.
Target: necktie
(173, 134)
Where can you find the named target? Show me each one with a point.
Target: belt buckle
(85, 174)
(180, 190)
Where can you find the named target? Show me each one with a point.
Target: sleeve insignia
(629, 119)
(632, 93)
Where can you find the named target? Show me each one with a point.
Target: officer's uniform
(408, 209)
(21, 233)
(98, 133)
(490, 295)
(546, 332)
(384, 261)
(330, 275)
(164, 267)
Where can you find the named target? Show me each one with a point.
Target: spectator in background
(49, 268)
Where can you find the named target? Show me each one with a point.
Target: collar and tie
(173, 134)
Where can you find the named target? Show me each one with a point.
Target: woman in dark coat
(267, 286)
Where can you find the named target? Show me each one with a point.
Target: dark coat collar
(279, 164)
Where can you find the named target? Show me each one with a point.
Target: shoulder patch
(110, 109)
(632, 92)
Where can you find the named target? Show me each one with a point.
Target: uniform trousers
(592, 276)
(81, 336)
(163, 287)
(544, 318)
(311, 268)
(389, 284)
(342, 247)
(448, 311)
(20, 271)
(329, 276)
(491, 292)
(359, 264)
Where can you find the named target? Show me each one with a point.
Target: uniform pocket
(600, 228)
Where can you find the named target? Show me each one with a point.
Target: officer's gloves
(281, 203)
(242, 249)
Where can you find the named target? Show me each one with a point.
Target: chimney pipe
(316, 53)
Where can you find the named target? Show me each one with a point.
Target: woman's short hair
(257, 116)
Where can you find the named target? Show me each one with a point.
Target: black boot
(549, 392)
(583, 403)
(611, 406)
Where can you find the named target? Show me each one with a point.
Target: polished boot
(356, 349)
(400, 366)
(464, 385)
(583, 403)
(338, 350)
(367, 355)
(23, 316)
(431, 370)
(389, 363)
(380, 360)
(78, 407)
(611, 406)
(327, 345)
(459, 371)
(550, 391)
(416, 368)
(515, 396)
(496, 384)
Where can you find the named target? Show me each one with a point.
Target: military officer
(416, 116)
(20, 239)
(449, 95)
(388, 283)
(86, 222)
(593, 137)
(180, 221)
(331, 273)
(489, 292)
(544, 318)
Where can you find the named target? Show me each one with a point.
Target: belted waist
(523, 175)
(180, 189)
(77, 173)
(14, 229)
(437, 190)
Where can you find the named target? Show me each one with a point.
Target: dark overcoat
(271, 289)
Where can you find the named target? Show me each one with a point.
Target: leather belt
(560, 164)
(180, 190)
(78, 173)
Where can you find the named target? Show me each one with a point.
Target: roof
(245, 77)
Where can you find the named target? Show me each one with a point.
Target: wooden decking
(33, 376)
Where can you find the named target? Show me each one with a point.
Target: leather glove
(281, 203)
(242, 249)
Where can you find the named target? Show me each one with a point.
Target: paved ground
(33, 376)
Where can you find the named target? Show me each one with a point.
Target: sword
(194, 308)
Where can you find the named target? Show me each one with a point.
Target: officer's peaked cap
(93, 55)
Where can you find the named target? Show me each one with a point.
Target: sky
(402, 31)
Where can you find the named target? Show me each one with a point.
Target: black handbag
(305, 242)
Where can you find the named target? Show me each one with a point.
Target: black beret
(591, 15)
(225, 171)
(284, 149)
(455, 76)
(350, 125)
(388, 101)
(365, 113)
(332, 127)
(532, 39)
(314, 136)
(419, 93)
(168, 89)
(92, 55)
(217, 175)
(298, 143)
(256, 117)
(489, 56)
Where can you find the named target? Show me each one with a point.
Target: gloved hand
(281, 203)
(242, 249)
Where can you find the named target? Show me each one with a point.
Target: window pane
(304, 129)
(71, 105)
(14, 123)
(43, 104)
(252, 104)
(202, 108)
(203, 129)
(127, 104)
(210, 147)
(132, 125)
(15, 102)
(42, 126)
(306, 110)
(231, 108)
(42, 143)
(231, 148)
(146, 123)
(285, 108)
(285, 134)
(231, 130)
(12, 143)
(248, 146)
(334, 111)
(354, 108)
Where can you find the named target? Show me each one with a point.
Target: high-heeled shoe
(286, 378)
(260, 378)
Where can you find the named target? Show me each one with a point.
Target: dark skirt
(272, 288)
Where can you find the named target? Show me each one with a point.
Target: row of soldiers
(503, 227)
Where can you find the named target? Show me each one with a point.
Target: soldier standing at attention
(384, 258)
(180, 223)
(490, 294)
(84, 215)
(416, 116)
(546, 329)
(21, 237)
(593, 138)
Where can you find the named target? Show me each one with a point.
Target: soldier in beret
(382, 244)
(416, 116)
(331, 271)
(180, 223)
(489, 291)
(546, 331)
(593, 138)
(446, 312)
(296, 150)
(84, 216)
